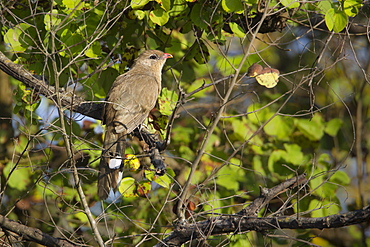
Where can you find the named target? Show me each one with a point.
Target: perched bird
(132, 96)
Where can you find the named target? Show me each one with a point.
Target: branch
(68, 99)
(33, 234)
(266, 195)
(246, 219)
(238, 224)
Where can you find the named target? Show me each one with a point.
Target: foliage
(242, 134)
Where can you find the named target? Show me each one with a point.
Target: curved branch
(69, 99)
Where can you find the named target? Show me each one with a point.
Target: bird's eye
(153, 56)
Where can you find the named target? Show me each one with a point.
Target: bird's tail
(110, 163)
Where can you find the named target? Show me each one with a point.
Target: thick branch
(246, 219)
(69, 100)
(237, 223)
(32, 234)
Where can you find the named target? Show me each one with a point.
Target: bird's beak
(167, 55)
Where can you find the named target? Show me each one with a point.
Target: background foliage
(236, 134)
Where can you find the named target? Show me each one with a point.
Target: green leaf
(294, 154)
(139, 14)
(324, 161)
(350, 7)
(336, 20)
(258, 165)
(13, 36)
(333, 126)
(237, 30)
(316, 185)
(70, 39)
(159, 16)
(314, 204)
(213, 203)
(128, 187)
(313, 129)
(143, 188)
(258, 116)
(74, 4)
(239, 128)
(138, 4)
(167, 101)
(290, 3)
(164, 181)
(341, 178)
(233, 6)
(52, 19)
(82, 217)
(230, 175)
(165, 4)
(274, 163)
(324, 6)
(19, 177)
(197, 16)
(279, 127)
(179, 7)
(94, 51)
(324, 208)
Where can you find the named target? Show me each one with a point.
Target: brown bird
(132, 96)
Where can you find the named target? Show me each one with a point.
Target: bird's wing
(130, 101)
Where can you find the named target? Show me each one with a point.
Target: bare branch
(68, 99)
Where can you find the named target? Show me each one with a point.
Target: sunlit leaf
(13, 36)
(290, 3)
(341, 178)
(233, 6)
(51, 19)
(267, 77)
(143, 188)
(18, 177)
(294, 154)
(139, 14)
(94, 50)
(165, 4)
(167, 101)
(336, 20)
(159, 16)
(128, 187)
(323, 208)
(131, 162)
(333, 126)
(82, 217)
(351, 7)
(138, 4)
(313, 129)
(237, 30)
(280, 127)
(74, 4)
(164, 181)
(230, 175)
(325, 5)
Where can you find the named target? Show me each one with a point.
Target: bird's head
(152, 60)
